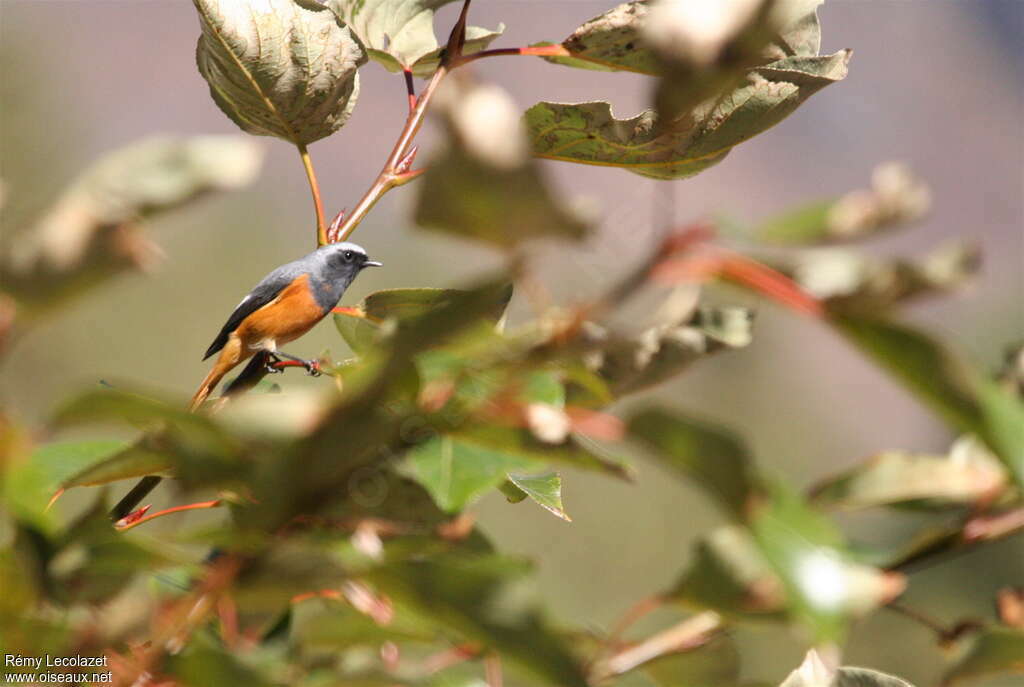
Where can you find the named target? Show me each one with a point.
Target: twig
(123, 526)
(634, 613)
(314, 187)
(410, 88)
(389, 177)
(945, 635)
(492, 670)
(555, 50)
(689, 634)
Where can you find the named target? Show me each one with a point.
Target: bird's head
(346, 259)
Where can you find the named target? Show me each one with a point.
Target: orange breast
(293, 313)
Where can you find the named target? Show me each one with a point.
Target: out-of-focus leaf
(400, 33)
(545, 489)
(465, 594)
(484, 185)
(633, 364)
(1003, 414)
(896, 197)
(199, 450)
(699, 130)
(996, 650)
(100, 562)
(944, 383)
(615, 41)
(337, 626)
(574, 451)
(203, 664)
(133, 461)
(364, 325)
(715, 664)
(28, 485)
(847, 281)
(457, 472)
(729, 575)
(968, 473)
(716, 459)
(279, 67)
(825, 586)
(814, 673)
(90, 234)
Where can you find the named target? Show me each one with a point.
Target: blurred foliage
(346, 553)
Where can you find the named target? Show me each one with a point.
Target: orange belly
(293, 313)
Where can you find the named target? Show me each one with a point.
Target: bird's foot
(271, 366)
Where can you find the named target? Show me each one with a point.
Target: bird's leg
(312, 366)
(272, 359)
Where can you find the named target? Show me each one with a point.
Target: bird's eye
(348, 255)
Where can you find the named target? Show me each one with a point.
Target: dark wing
(265, 292)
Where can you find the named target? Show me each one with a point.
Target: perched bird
(286, 304)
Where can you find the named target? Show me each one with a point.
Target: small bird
(286, 304)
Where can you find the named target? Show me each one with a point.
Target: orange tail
(211, 380)
(229, 357)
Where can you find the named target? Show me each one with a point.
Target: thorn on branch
(335, 226)
(132, 517)
(405, 163)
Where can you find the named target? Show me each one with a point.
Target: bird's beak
(373, 263)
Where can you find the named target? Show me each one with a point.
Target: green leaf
(202, 663)
(484, 185)
(895, 198)
(825, 586)
(804, 224)
(996, 650)
(365, 325)
(29, 485)
(338, 626)
(716, 459)
(1003, 414)
(944, 383)
(545, 489)
(730, 575)
(969, 473)
(133, 461)
(199, 450)
(468, 594)
(456, 472)
(279, 68)
(589, 133)
(400, 33)
(91, 232)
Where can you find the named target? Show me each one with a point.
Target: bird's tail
(211, 380)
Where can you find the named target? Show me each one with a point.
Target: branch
(689, 634)
(555, 50)
(314, 187)
(390, 175)
(410, 88)
(137, 518)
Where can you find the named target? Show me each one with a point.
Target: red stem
(177, 509)
(555, 50)
(410, 88)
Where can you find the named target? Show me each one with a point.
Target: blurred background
(934, 83)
